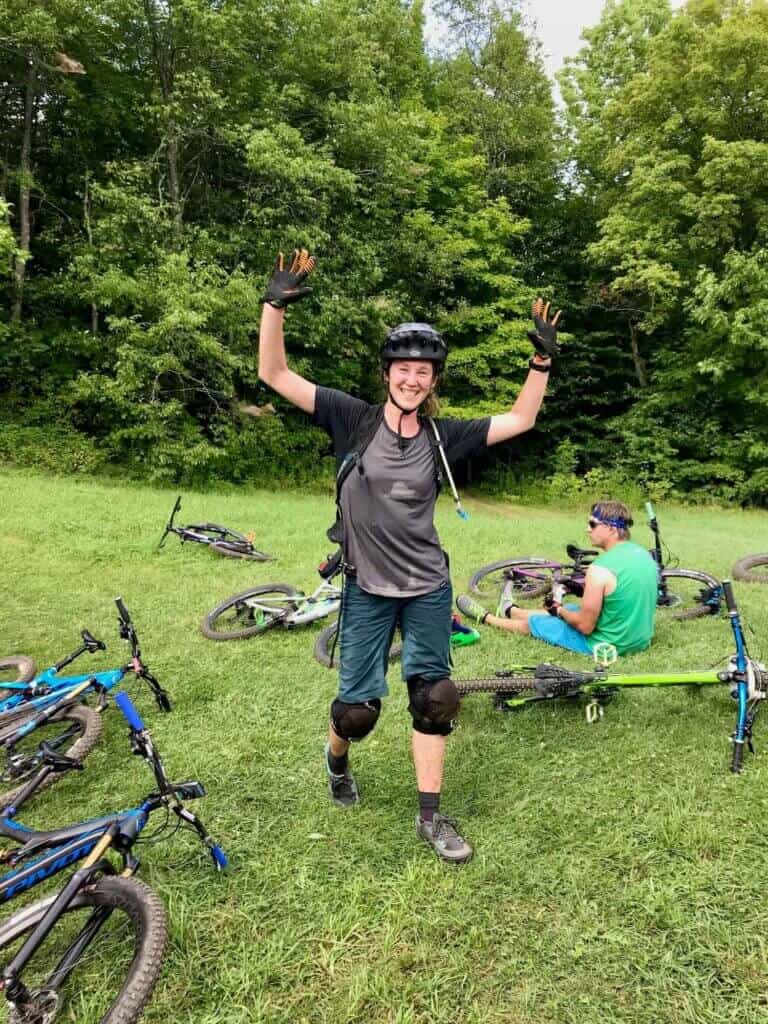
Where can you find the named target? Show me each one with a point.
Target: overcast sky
(558, 23)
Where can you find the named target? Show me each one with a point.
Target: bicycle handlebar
(730, 600)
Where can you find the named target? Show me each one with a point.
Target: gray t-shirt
(388, 501)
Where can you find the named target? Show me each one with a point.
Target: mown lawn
(619, 868)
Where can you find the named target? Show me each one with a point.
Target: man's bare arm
(598, 583)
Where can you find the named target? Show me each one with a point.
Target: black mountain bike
(219, 538)
(94, 949)
(686, 593)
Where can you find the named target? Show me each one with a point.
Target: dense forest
(156, 154)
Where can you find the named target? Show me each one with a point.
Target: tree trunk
(25, 171)
(172, 156)
(89, 234)
(640, 369)
(164, 55)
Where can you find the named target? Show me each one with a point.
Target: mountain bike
(255, 611)
(96, 947)
(744, 569)
(748, 680)
(220, 539)
(687, 593)
(47, 708)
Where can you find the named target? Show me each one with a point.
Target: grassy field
(618, 874)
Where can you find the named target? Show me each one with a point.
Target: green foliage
(48, 448)
(205, 137)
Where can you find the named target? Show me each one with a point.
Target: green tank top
(627, 618)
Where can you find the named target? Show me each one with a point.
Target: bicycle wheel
(17, 668)
(74, 731)
(240, 549)
(742, 570)
(525, 579)
(250, 613)
(113, 977)
(324, 646)
(509, 685)
(690, 594)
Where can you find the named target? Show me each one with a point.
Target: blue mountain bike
(48, 709)
(95, 949)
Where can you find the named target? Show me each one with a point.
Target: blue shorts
(368, 624)
(554, 631)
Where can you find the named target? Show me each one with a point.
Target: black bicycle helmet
(414, 341)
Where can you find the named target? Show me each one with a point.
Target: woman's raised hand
(285, 286)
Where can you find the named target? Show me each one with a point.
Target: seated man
(619, 602)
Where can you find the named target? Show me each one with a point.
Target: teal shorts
(368, 625)
(554, 631)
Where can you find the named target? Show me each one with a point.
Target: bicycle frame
(49, 688)
(323, 601)
(88, 841)
(748, 679)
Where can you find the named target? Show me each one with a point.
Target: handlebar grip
(649, 510)
(122, 610)
(738, 757)
(132, 716)
(730, 600)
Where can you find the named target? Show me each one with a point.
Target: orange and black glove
(285, 286)
(544, 338)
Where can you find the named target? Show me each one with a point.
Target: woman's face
(410, 381)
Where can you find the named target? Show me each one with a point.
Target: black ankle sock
(338, 765)
(429, 805)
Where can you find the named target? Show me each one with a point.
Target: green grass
(618, 874)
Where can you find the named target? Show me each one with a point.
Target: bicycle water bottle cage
(331, 566)
(91, 643)
(578, 554)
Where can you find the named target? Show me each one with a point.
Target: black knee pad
(354, 721)
(433, 705)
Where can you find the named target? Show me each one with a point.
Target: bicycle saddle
(91, 643)
(578, 554)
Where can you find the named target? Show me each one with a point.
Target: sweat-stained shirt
(388, 502)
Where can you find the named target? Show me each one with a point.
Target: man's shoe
(461, 635)
(343, 788)
(443, 836)
(468, 606)
(506, 604)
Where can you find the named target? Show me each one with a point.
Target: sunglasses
(594, 523)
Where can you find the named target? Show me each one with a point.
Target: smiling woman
(391, 462)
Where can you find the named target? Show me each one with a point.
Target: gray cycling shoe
(343, 788)
(443, 836)
(471, 608)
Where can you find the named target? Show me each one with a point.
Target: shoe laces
(445, 828)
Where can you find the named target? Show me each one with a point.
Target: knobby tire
(742, 570)
(146, 918)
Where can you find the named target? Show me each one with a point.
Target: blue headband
(619, 522)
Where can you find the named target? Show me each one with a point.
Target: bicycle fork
(16, 991)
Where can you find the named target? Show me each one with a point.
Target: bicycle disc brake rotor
(41, 1009)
